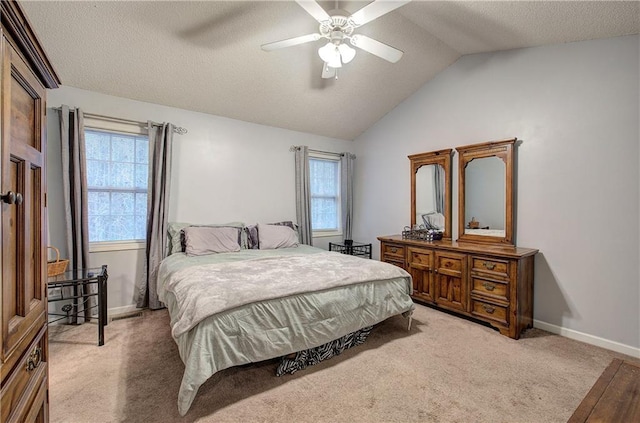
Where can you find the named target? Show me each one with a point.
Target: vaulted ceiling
(206, 56)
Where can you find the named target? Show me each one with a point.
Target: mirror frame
(504, 150)
(442, 158)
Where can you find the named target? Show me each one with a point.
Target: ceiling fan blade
(290, 42)
(327, 72)
(382, 50)
(315, 10)
(375, 10)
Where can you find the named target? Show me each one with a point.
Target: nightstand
(75, 285)
(352, 248)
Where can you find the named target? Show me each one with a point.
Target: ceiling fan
(338, 29)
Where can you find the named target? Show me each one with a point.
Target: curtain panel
(160, 146)
(346, 185)
(303, 194)
(74, 183)
(74, 186)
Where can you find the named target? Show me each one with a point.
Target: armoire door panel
(23, 293)
(23, 111)
(33, 203)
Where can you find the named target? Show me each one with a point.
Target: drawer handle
(488, 308)
(35, 358)
(394, 250)
(489, 266)
(489, 286)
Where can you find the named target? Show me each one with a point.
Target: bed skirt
(315, 355)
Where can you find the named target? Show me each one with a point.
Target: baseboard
(588, 339)
(117, 312)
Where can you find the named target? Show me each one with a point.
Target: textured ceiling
(206, 56)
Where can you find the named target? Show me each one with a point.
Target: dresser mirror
(485, 189)
(431, 190)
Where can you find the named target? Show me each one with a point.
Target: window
(324, 175)
(117, 171)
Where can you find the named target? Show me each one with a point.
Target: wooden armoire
(24, 76)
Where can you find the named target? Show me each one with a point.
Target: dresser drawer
(23, 385)
(393, 251)
(489, 311)
(419, 259)
(494, 267)
(495, 289)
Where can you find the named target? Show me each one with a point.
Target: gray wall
(575, 108)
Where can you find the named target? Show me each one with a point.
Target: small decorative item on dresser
(57, 266)
(473, 224)
(421, 233)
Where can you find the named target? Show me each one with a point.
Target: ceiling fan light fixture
(347, 53)
(331, 55)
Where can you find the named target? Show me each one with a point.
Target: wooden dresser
(24, 76)
(491, 283)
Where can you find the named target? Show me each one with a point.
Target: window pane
(122, 175)
(121, 228)
(141, 227)
(98, 204)
(323, 175)
(117, 172)
(122, 203)
(98, 227)
(141, 177)
(142, 150)
(141, 204)
(324, 213)
(325, 194)
(122, 149)
(97, 173)
(97, 145)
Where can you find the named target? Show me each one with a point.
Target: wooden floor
(615, 397)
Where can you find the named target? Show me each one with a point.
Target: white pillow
(201, 240)
(271, 237)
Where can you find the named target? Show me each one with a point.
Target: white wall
(575, 108)
(223, 170)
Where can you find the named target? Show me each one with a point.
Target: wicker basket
(57, 266)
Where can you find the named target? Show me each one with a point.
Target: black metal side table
(352, 248)
(79, 282)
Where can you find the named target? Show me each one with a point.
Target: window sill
(99, 247)
(326, 234)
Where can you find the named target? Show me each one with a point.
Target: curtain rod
(177, 129)
(331, 153)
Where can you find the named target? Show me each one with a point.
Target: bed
(251, 305)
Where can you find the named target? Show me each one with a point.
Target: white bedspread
(205, 290)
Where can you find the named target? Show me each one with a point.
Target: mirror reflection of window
(430, 193)
(485, 187)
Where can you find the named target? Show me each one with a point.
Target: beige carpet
(446, 369)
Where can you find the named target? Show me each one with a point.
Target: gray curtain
(438, 179)
(346, 186)
(74, 182)
(303, 194)
(160, 141)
